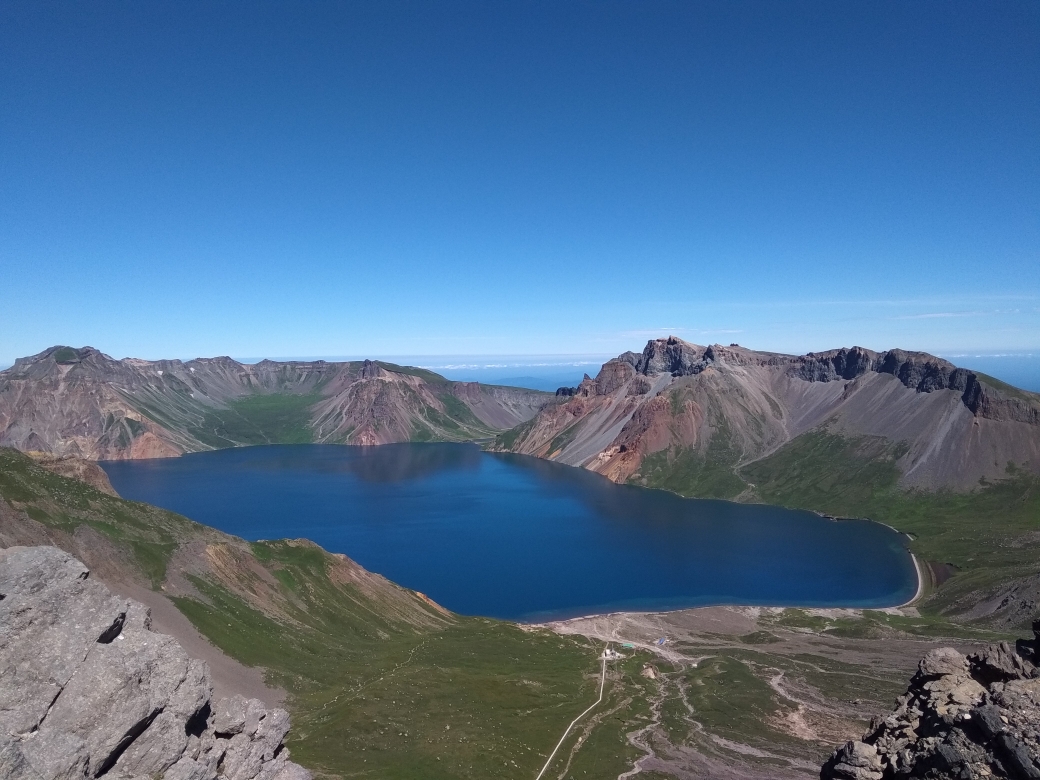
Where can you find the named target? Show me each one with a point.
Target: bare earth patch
(752, 692)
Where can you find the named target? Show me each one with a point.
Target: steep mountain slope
(82, 403)
(693, 418)
(381, 681)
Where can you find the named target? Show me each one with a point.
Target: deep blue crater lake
(516, 537)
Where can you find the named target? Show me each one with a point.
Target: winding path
(602, 679)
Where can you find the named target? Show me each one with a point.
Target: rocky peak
(671, 356)
(370, 370)
(961, 718)
(613, 375)
(46, 361)
(87, 690)
(586, 388)
(917, 371)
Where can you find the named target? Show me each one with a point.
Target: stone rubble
(88, 690)
(962, 718)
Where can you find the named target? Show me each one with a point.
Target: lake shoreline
(523, 539)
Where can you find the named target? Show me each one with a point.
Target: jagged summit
(81, 402)
(700, 413)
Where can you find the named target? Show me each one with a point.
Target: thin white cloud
(651, 332)
(993, 355)
(950, 301)
(938, 315)
(476, 366)
(944, 314)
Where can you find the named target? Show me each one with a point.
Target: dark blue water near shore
(520, 538)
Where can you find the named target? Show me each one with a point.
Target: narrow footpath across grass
(602, 680)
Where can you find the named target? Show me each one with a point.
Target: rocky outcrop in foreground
(961, 718)
(88, 690)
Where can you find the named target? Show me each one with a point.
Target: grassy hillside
(990, 535)
(278, 418)
(988, 538)
(382, 684)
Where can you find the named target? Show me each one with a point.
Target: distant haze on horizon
(536, 178)
(550, 372)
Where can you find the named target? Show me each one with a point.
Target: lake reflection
(521, 538)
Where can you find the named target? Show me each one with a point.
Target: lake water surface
(516, 537)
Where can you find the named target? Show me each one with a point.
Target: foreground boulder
(88, 690)
(961, 718)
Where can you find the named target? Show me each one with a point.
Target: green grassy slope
(708, 474)
(381, 683)
(60, 506)
(460, 701)
(277, 418)
(990, 536)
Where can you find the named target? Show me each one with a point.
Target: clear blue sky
(182, 179)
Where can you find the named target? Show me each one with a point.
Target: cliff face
(82, 403)
(962, 717)
(707, 412)
(88, 690)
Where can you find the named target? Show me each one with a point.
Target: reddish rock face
(76, 468)
(735, 405)
(82, 403)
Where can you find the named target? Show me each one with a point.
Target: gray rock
(943, 661)
(961, 718)
(246, 757)
(289, 771)
(134, 679)
(999, 663)
(56, 755)
(854, 761)
(87, 689)
(1018, 758)
(50, 618)
(236, 715)
(13, 765)
(190, 769)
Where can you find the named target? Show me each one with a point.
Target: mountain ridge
(713, 410)
(83, 403)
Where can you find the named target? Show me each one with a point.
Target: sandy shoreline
(920, 582)
(625, 613)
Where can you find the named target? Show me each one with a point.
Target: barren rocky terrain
(694, 418)
(88, 689)
(749, 693)
(83, 403)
